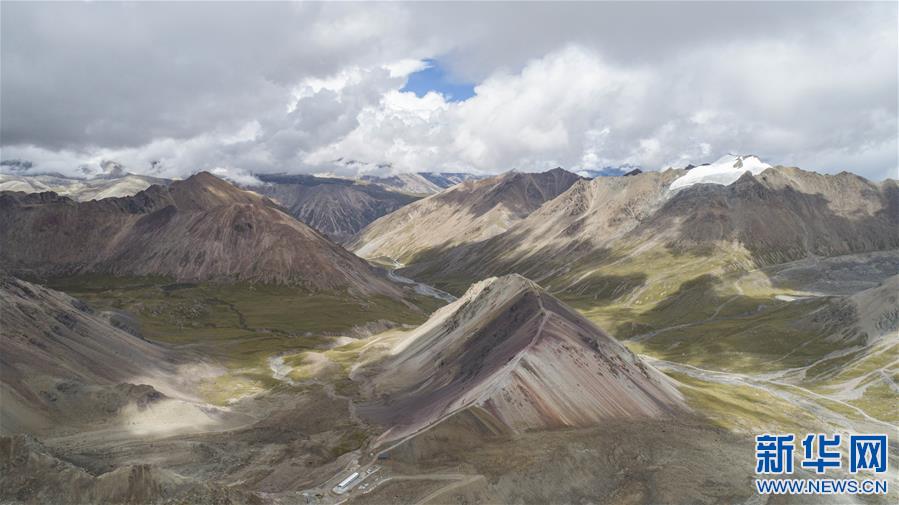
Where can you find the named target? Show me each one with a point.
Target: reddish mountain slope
(520, 357)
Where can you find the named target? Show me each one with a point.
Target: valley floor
(275, 416)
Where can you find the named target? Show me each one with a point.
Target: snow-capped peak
(725, 171)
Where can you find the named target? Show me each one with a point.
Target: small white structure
(340, 488)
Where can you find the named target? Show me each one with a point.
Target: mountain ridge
(338, 208)
(472, 210)
(522, 358)
(96, 188)
(780, 214)
(199, 229)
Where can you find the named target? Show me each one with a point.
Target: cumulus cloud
(237, 176)
(575, 109)
(171, 89)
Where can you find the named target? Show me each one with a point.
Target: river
(420, 288)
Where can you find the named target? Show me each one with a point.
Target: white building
(346, 482)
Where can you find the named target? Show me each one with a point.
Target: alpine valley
(612, 337)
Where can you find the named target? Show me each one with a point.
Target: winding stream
(420, 288)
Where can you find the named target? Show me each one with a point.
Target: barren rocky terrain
(338, 208)
(196, 344)
(200, 229)
(468, 212)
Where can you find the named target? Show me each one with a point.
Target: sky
(170, 89)
(433, 77)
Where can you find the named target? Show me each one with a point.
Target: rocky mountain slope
(66, 371)
(878, 312)
(781, 214)
(22, 458)
(55, 352)
(521, 359)
(65, 368)
(864, 370)
(199, 229)
(579, 223)
(338, 208)
(784, 214)
(469, 212)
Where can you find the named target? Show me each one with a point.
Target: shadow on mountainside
(774, 225)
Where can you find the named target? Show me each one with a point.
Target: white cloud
(236, 175)
(405, 67)
(548, 113)
(295, 87)
(573, 108)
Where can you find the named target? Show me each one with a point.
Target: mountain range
(334, 206)
(610, 171)
(616, 339)
(199, 229)
(421, 183)
(96, 188)
(778, 215)
(468, 212)
(338, 208)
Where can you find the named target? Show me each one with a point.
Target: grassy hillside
(728, 323)
(240, 326)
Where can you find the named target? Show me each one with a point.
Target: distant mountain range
(779, 214)
(339, 208)
(541, 224)
(199, 229)
(421, 183)
(447, 179)
(473, 211)
(336, 207)
(622, 170)
(80, 190)
(414, 183)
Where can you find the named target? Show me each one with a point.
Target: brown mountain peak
(523, 359)
(199, 229)
(204, 191)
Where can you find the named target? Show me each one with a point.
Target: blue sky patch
(435, 78)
